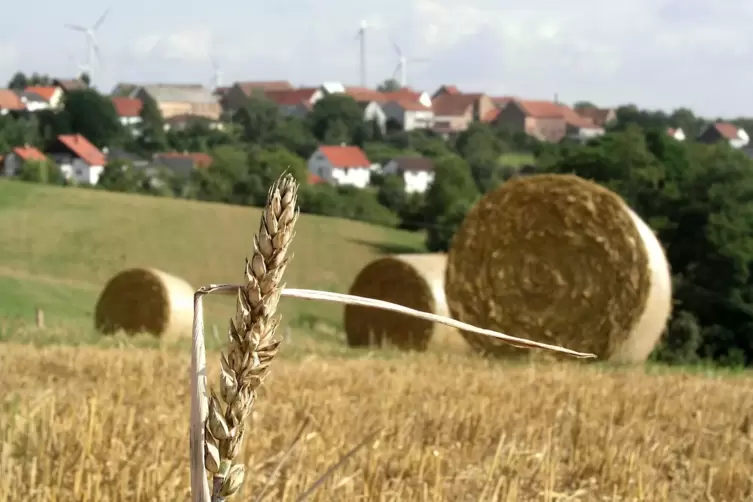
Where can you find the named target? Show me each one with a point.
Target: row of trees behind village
(698, 198)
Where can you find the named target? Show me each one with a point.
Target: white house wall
(358, 177)
(417, 181)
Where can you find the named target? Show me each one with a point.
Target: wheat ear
(252, 340)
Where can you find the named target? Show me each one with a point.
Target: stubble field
(110, 424)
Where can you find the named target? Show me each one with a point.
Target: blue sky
(656, 53)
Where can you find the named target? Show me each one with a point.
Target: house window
(79, 172)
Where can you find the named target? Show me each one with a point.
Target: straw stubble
(252, 339)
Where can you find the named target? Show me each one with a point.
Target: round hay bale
(145, 300)
(561, 260)
(411, 280)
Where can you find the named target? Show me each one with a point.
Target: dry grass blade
(316, 484)
(312, 294)
(283, 459)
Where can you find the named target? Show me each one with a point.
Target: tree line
(697, 198)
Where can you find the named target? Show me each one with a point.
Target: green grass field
(516, 159)
(58, 247)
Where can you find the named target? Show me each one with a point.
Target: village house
(10, 102)
(546, 120)
(370, 102)
(723, 131)
(184, 121)
(601, 117)
(183, 163)
(408, 94)
(341, 165)
(408, 115)
(677, 134)
(70, 84)
(181, 99)
(15, 159)
(237, 96)
(417, 172)
(77, 158)
(454, 112)
(128, 110)
(52, 94)
(32, 101)
(296, 102)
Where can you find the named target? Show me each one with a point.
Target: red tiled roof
(313, 179)
(29, 153)
(9, 100)
(271, 85)
(729, 131)
(45, 91)
(363, 95)
(200, 159)
(551, 110)
(292, 97)
(405, 93)
(411, 105)
(453, 104)
(84, 150)
(127, 107)
(446, 89)
(345, 156)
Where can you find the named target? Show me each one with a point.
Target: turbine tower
(361, 36)
(402, 65)
(92, 48)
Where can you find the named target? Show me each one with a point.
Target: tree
(389, 85)
(94, 117)
(121, 176)
(391, 193)
(335, 119)
(40, 172)
(151, 132)
(452, 191)
(259, 120)
(481, 148)
(18, 82)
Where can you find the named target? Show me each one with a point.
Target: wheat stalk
(217, 432)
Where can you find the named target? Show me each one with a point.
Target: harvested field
(111, 424)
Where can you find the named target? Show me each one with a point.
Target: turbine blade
(101, 19)
(75, 27)
(397, 69)
(397, 47)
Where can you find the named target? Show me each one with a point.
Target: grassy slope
(58, 246)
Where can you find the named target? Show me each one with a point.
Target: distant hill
(58, 246)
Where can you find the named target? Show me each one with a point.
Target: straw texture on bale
(411, 280)
(145, 300)
(561, 260)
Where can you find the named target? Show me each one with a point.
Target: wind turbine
(217, 74)
(92, 48)
(402, 65)
(361, 35)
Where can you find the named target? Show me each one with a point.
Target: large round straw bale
(561, 260)
(145, 300)
(411, 280)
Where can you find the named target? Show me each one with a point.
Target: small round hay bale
(561, 260)
(411, 280)
(145, 300)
